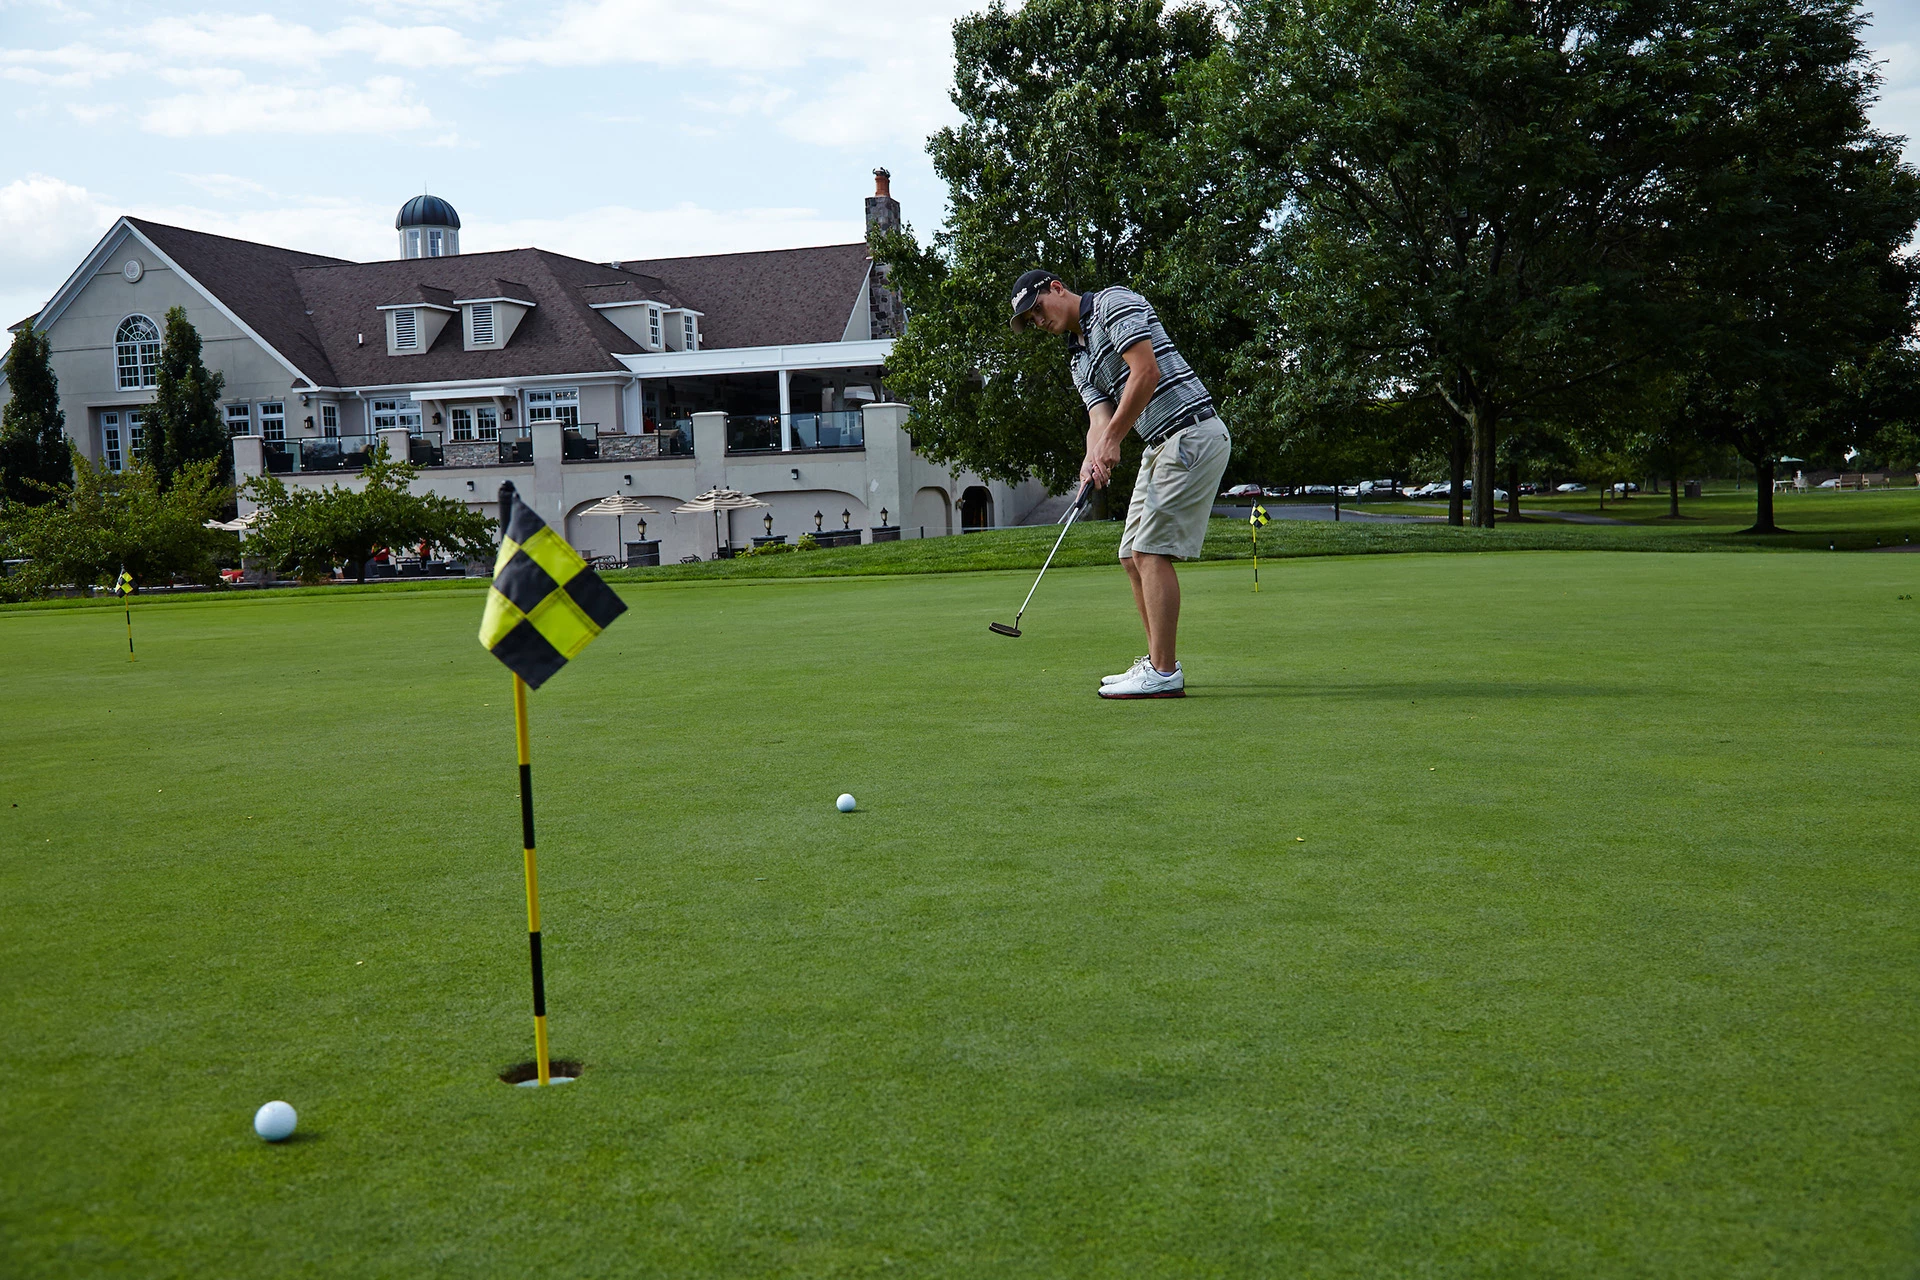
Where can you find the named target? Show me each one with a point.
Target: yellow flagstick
(1256, 518)
(123, 587)
(533, 877)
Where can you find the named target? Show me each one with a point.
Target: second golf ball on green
(845, 802)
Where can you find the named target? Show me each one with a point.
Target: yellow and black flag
(123, 587)
(545, 605)
(1258, 520)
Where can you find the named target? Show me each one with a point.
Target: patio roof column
(786, 411)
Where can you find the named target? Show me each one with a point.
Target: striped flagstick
(1255, 520)
(525, 746)
(123, 587)
(544, 607)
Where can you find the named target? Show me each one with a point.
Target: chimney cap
(882, 182)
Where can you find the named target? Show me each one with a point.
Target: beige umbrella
(718, 500)
(239, 524)
(619, 505)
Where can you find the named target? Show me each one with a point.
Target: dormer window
(653, 327)
(482, 324)
(692, 341)
(406, 330)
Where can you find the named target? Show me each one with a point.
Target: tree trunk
(1482, 423)
(1457, 475)
(1673, 494)
(1513, 488)
(1763, 504)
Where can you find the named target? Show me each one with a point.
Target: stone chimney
(886, 314)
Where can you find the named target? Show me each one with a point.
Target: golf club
(1001, 628)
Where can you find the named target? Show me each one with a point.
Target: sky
(606, 129)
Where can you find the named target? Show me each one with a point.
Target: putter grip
(1086, 491)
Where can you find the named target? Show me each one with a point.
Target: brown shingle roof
(769, 297)
(314, 309)
(256, 282)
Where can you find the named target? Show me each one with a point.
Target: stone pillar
(248, 462)
(548, 489)
(889, 454)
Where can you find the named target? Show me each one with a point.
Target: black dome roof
(426, 211)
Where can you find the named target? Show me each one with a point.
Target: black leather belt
(1178, 425)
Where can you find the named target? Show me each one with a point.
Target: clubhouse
(657, 379)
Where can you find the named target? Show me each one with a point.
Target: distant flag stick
(544, 607)
(1255, 520)
(123, 587)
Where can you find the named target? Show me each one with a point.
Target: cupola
(428, 227)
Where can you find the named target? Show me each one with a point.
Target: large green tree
(108, 520)
(309, 532)
(1461, 203)
(1793, 219)
(184, 424)
(33, 443)
(1065, 107)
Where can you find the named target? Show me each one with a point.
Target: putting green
(1529, 915)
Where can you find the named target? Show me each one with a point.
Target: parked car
(1319, 490)
(1243, 491)
(1625, 486)
(1828, 484)
(1570, 487)
(1278, 491)
(1526, 489)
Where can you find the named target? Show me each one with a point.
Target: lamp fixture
(846, 519)
(767, 520)
(817, 518)
(436, 419)
(303, 400)
(643, 531)
(469, 486)
(626, 479)
(883, 517)
(309, 422)
(796, 472)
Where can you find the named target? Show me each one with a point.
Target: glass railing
(753, 433)
(335, 453)
(760, 432)
(424, 449)
(840, 429)
(580, 442)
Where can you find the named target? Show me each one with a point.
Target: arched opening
(932, 515)
(976, 508)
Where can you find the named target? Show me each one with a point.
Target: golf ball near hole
(845, 802)
(274, 1121)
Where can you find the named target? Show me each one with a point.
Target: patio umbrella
(718, 500)
(618, 505)
(239, 524)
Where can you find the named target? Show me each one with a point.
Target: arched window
(136, 349)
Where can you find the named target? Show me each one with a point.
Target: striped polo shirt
(1113, 320)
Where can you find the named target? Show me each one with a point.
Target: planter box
(886, 533)
(837, 538)
(643, 554)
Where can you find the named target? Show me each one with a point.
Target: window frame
(273, 421)
(460, 424)
(110, 440)
(330, 421)
(136, 355)
(244, 421)
(554, 404)
(395, 416)
(486, 422)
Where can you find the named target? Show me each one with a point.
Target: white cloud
(74, 66)
(265, 39)
(46, 220)
(228, 103)
(92, 113)
(620, 232)
(225, 186)
(896, 100)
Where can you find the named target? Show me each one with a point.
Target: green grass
(1853, 512)
(1595, 956)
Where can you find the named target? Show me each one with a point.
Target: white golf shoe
(1142, 661)
(1144, 682)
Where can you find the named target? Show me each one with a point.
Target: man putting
(1133, 379)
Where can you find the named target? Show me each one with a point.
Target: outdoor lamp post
(846, 519)
(817, 517)
(883, 517)
(643, 530)
(767, 520)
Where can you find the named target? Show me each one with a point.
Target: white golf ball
(845, 803)
(274, 1121)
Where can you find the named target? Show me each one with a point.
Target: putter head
(1002, 628)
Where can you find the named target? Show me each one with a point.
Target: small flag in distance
(545, 605)
(123, 585)
(1259, 517)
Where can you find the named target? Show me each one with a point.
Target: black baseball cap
(1026, 291)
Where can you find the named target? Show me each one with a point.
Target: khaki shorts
(1174, 495)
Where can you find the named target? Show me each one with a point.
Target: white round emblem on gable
(133, 270)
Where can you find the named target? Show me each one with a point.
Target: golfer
(1133, 379)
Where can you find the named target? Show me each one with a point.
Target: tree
(1063, 103)
(307, 532)
(1458, 202)
(184, 425)
(1793, 222)
(108, 520)
(33, 443)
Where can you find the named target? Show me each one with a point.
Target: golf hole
(559, 1071)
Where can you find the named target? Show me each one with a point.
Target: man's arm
(1108, 426)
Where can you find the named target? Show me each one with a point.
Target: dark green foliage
(33, 443)
(184, 425)
(309, 532)
(107, 520)
(1064, 104)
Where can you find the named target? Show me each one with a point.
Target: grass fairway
(1478, 915)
